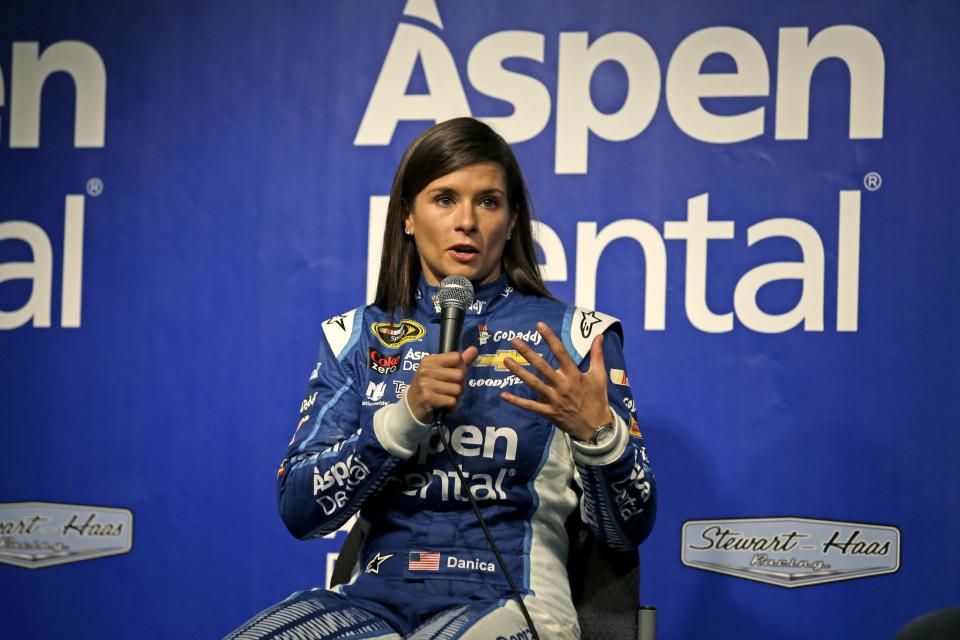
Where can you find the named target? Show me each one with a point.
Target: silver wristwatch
(602, 434)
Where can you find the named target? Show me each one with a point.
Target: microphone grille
(455, 291)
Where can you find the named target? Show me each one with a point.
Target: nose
(465, 219)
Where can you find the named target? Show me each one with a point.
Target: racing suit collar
(486, 298)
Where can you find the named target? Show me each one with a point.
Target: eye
(443, 200)
(490, 202)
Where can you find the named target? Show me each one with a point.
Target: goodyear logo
(393, 335)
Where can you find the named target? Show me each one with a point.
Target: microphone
(454, 296)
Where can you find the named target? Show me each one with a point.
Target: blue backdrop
(763, 192)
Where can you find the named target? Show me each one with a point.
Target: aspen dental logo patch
(43, 534)
(791, 552)
(394, 335)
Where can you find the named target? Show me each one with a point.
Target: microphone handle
(451, 324)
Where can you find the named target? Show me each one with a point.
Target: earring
(508, 236)
(407, 231)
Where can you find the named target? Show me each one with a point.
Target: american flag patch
(424, 561)
(619, 376)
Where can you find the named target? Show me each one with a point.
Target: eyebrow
(485, 192)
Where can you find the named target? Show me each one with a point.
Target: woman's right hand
(438, 383)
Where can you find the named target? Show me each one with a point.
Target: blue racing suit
(358, 448)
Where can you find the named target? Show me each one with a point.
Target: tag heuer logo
(791, 552)
(394, 335)
(42, 534)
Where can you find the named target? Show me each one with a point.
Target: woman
(537, 404)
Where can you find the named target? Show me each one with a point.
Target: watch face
(603, 434)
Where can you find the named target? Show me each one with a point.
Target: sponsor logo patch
(383, 364)
(635, 428)
(476, 307)
(619, 376)
(509, 381)
(374, 565)
(791, 552)
(411, 361)
(339, 321)
(587, 321)
(393, 335)
(375, 390)
(484, 333)
(297, 430)
(496, 359)
(308, 401)
(43, 534)
(530, 337)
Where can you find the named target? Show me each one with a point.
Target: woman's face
(460, 223)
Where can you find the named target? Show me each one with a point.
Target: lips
(464, 252)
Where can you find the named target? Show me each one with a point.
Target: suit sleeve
(333, 462)
(619, 501)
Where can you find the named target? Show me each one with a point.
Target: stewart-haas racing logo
(42, 534)
(791, 552)
(393, 335)
(383, 364)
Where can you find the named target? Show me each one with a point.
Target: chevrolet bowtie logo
(496, 359)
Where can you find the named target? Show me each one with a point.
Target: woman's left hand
(576, 402)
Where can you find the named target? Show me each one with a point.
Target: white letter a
(390, 103)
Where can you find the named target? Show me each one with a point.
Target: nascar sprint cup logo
(791, 552)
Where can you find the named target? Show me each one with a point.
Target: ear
(408, 225)
(512, 223)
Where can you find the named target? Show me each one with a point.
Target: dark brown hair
(442, 149)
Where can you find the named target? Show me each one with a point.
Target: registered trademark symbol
(512, 472)
(94, 187)
(872, 181)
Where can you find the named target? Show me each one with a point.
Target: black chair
(605, 585)
(942, 624)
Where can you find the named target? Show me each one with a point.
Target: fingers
(527, 377)
(438, 383)
(542, 408)
(596, 356)
(535, 359)
(559, 352)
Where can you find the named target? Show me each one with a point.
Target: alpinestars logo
(587, 322)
